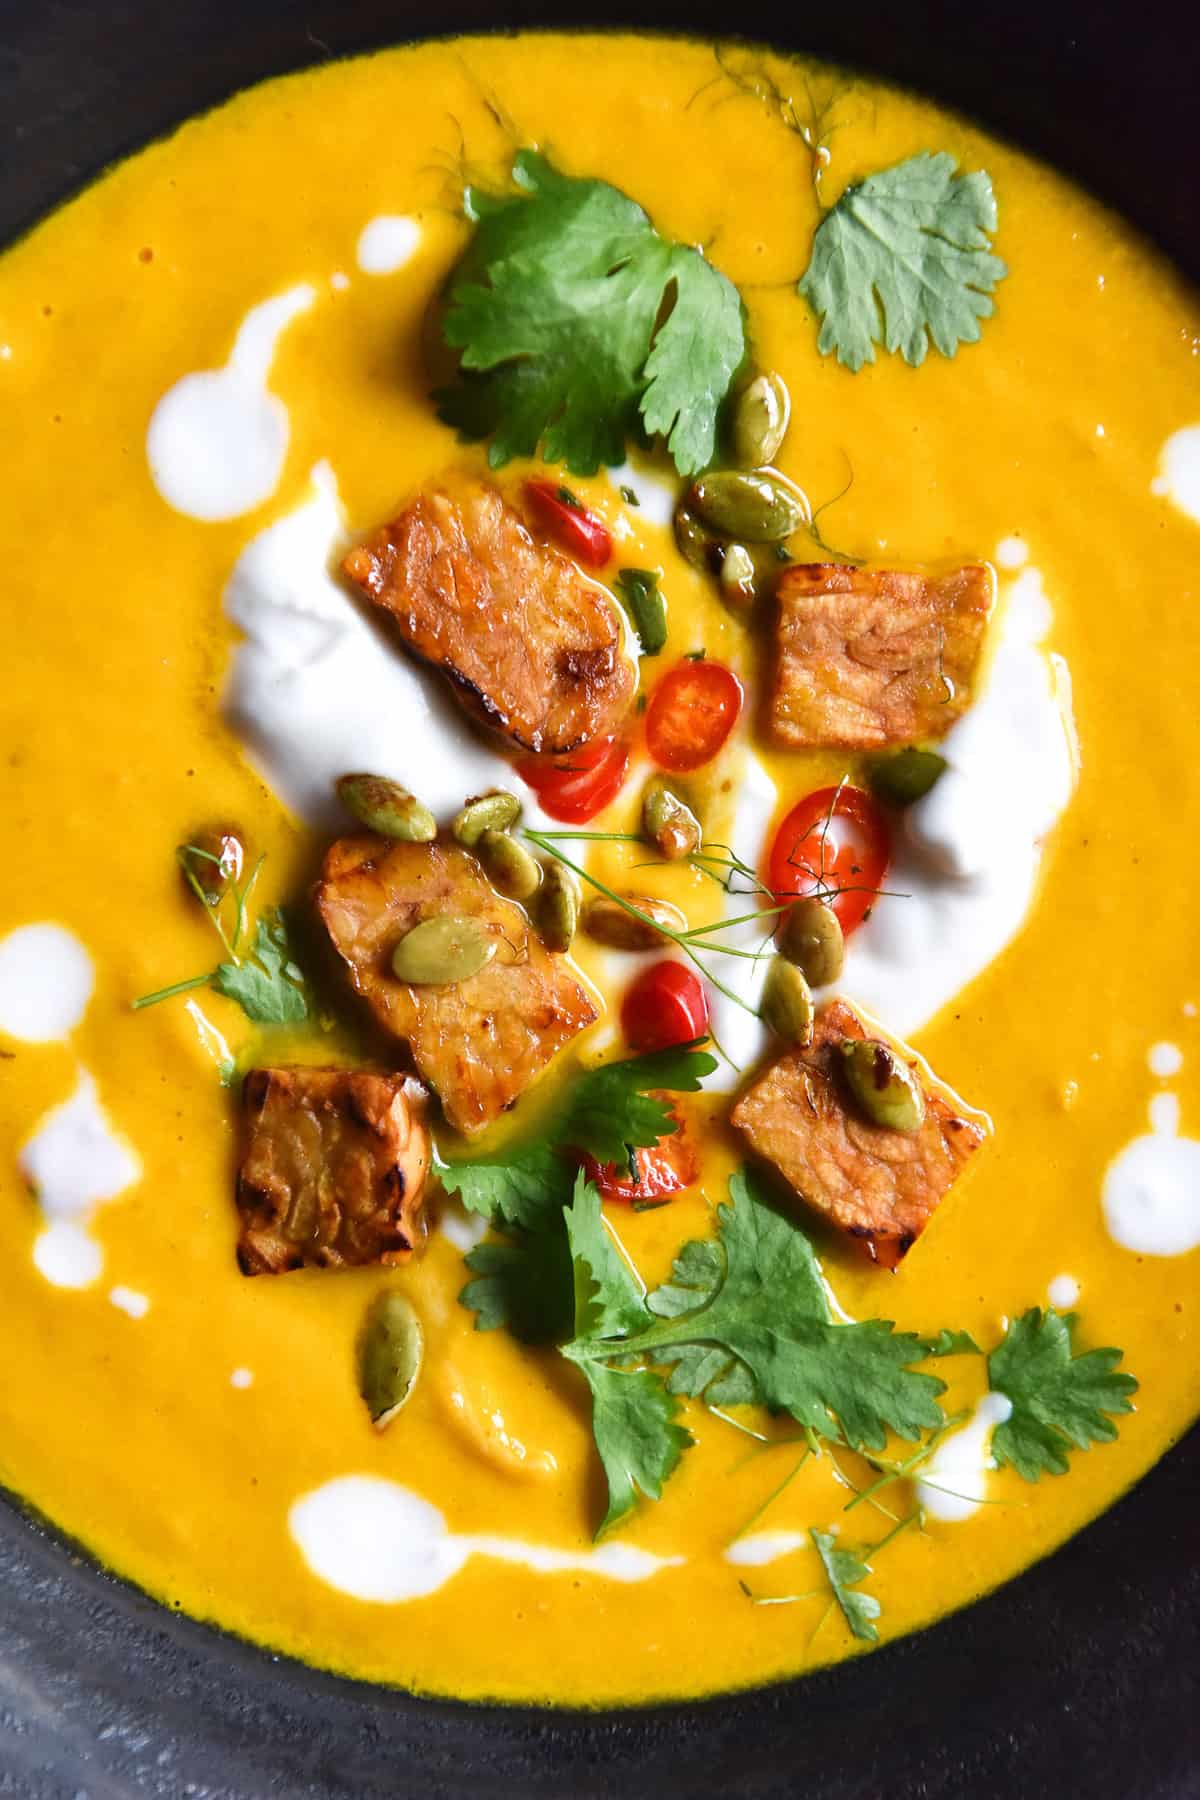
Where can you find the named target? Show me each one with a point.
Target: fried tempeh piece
(333, 1169)
(479, 1043)
(871, 657)
(533, 647)
(881, 1187)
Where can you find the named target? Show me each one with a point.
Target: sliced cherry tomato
(662, 1169)
(836, 844)
(576, 528)
(575, 787)
(665, 1005)
(691, 713)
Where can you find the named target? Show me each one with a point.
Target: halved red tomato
(575, 787)
(662, 1169)
(691, 713)
(665, 1005)
(575, 526)
(836, 844)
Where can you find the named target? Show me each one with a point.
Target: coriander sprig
(263, 977)
(694, 941)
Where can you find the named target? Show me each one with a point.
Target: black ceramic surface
(1080, 1679)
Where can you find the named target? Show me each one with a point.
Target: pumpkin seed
(442, 950)
(737, 575)
(496, 811)
(787, 1004)
(607, 922)
(384, 806)
(390, 1348)
(811, 937)
(559, 900)
(509, 866)
(696, 545)
(759, 508)
(669, 822)
(210, 861)
(760, 420)
(906, 775)
(885, 1089)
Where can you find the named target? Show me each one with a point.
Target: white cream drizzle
(953, 1483)
(217, 440)
(1164, 1060)
(387, 243)
(377, 1541)
(129, 1301)
(1178, 478)
(73, 1162)
(657, 493)
(1063, 1292)
(1151, 1193)
(764, 1547)
(46, 981)
(316, 691)
(461, 1228)
(966, 862)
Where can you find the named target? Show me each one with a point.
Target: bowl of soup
(598, 1013)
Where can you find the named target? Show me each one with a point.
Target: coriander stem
(543, 840)
(770, 1500)
(900, 1525)
(168, 993)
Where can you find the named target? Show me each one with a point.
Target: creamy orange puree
(128, 1432)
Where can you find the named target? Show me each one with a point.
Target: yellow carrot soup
(217, 366)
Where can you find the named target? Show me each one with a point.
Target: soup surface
(216, 367)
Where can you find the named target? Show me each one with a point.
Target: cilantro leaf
(609, 1297)
(843, 1570)
(638, 1441)
(524, 1285)
(525, 1188)
(902, 258)
(557, 308)
(612, 1110)
(640, 595)
(633, 1415)
(267, 986)
(759, 1305)
(1059, 1400)
(744, 1318)
(609, 1114)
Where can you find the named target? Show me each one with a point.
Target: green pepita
(559, 900)
(884, 1088)
(210, 861)
(497, 811)
(787, 1004)
(509, 866)
(442, 950)
(906, 776)
(737, 576)
(695, 544)
(760, 420)
(384, 806)
(390, 1349)
(607, 922)
(669, 822)
(811, 937)
(759, 508)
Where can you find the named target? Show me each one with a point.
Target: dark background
(1078, 1680)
